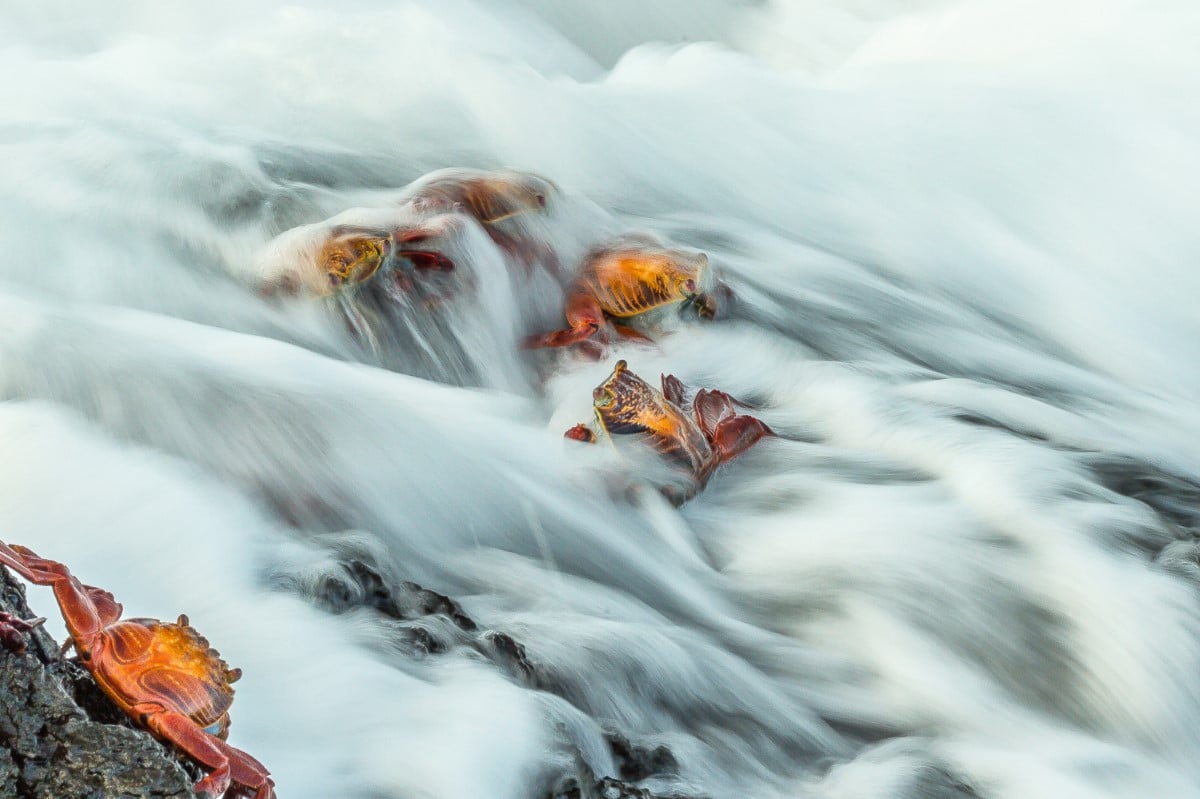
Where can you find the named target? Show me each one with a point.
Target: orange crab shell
(352, 255)
(490, 197)
(139, 660)
(320, 259)
(631, 280)
(626, 278)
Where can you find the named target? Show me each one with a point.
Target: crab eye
(689, 286)
(604, 400)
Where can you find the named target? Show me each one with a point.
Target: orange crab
(322, 262)
(502, 202)
(712, 434)
(490, 197)
(625, 279)
(163, 675)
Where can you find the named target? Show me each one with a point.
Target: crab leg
(731, 434)
(585, 317)
(199, 745)
(429, 260)
(672, 389)
(426, 259)
(628, 332)
(734, 436)
(713, 304)
(711, 408)
(75, 600)
(248, 772)
(228, 765)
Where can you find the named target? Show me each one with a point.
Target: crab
(712, 433)
(625, 279)
(327, 258)
(505, 203)
(490, 197)
(163, 675)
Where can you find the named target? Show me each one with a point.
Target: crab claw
(672, 388)
(730, 433)
(13, 630)
(581, 432)
(734, 436)
(427, 260)
(711, 304)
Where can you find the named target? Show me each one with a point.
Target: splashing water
(961, 239)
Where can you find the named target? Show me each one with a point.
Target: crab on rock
(163, 675)
(627, 278)
(712, 434)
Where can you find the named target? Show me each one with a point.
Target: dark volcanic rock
(361, 583)
(588, 787)
(50, 748)
(430, 623)
(639, 762)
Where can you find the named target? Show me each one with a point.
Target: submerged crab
(163, 675)
(712, 434)
(627, 279)
(326, 258)
(505, 203)
(490, 197)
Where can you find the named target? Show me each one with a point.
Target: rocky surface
(432, 623)
(60, 738)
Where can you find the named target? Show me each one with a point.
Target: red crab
(492, 198)
(625, 279)
(329, 257)
(711, 434)
(162, 674)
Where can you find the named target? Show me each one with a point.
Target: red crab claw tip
(580, 432)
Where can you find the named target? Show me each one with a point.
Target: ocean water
(961, 239)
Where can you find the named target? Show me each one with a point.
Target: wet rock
(588, 787)
(428, 622)
(360, 583)
(1174, 497)
(51, 748)
(639, 762)
(937, 781)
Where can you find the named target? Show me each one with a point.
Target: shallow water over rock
(961, 246)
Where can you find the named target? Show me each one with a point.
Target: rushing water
(963, 243)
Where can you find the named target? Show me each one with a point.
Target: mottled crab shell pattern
(146, 659)
(352, 256)
(625, 404)
(627, 282)
(320, 259)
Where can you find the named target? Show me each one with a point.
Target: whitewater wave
(960, 239)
